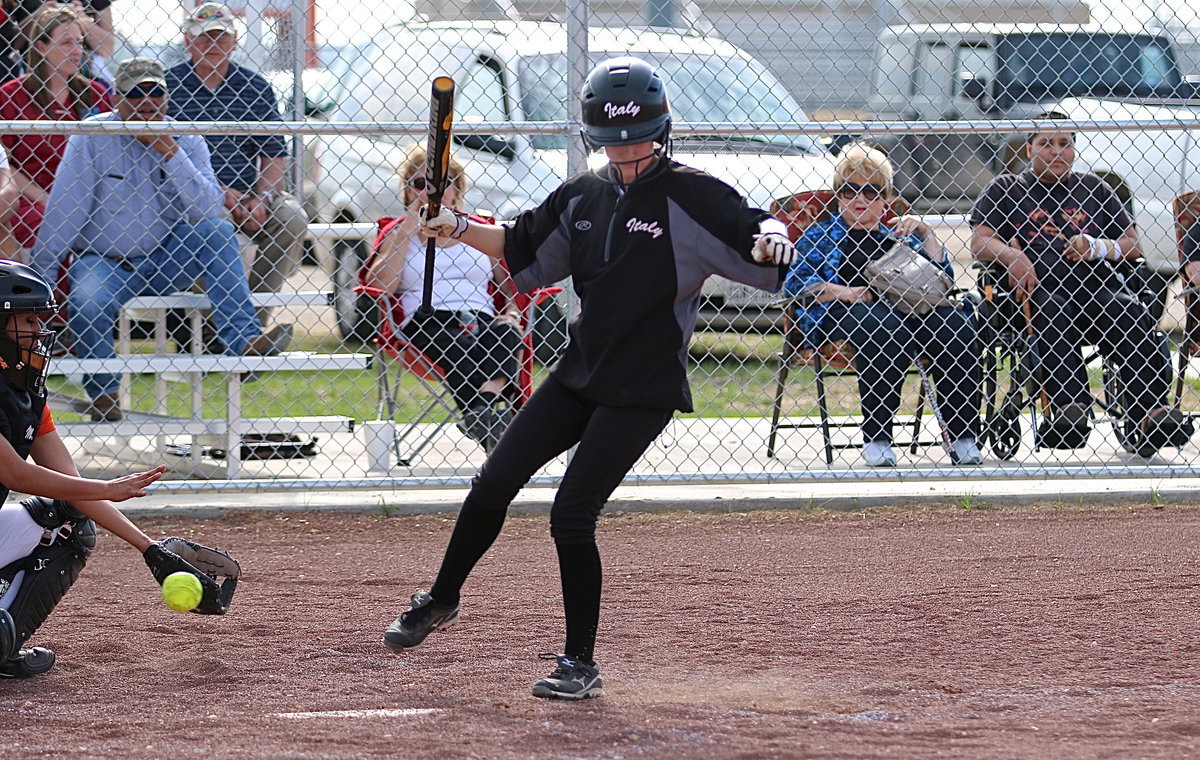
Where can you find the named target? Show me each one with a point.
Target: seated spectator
(473, 345)
(52, 90)
(252, 169)
(832, 257)
(1058, 233)
(141, 216)
(95, 17)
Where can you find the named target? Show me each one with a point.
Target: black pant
(1119, 325)
(611, 439)
(885, 344)
(470, 348)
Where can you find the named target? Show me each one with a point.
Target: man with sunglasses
(252, 169)
(1057, 234)
(141, 215)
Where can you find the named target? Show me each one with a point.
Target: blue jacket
(820, 249)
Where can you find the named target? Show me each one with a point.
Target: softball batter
(638, 238)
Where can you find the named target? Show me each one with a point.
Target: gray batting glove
(447, 223)
(773, 248)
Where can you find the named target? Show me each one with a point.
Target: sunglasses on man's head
(146, 91)
(868, 191)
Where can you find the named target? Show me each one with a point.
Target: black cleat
(572, 679)
(423, 618)
(27, 663)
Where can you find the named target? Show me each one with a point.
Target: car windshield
(1034, 67)
(701, 88)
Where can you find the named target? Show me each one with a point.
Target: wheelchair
(1013, 371)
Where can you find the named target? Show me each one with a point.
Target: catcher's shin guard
(51, 568)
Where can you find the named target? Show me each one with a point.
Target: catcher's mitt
(173, 555)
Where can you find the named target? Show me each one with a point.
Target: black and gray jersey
(638, 257)
(20, 417)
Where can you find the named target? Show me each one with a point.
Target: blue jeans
(885, 344)
(204, 250)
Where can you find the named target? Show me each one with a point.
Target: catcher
(46, 540)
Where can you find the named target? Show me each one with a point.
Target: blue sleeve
(190, 172)
(811, 264)
(70, 206)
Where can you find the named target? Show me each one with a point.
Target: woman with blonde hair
(474, 345)
(830, 269)
(54, 89)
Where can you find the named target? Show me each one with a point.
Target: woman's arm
(55, 466)
(508, 293)
(98, 32)
(387, 267)
(32, 191)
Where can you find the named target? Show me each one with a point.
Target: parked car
(517, 71)
(1012, 72)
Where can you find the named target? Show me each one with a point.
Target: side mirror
(501, 146)
(973, 87)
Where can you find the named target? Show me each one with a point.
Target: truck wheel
(357, 315)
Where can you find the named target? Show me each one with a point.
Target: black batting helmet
(624, 102)
(25, 356)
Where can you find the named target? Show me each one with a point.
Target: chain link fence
(236, 307)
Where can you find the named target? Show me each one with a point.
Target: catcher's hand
(174, 555)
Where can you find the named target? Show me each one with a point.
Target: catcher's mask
(26, 299)
(624, 102)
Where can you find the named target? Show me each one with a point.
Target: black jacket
(637, 259)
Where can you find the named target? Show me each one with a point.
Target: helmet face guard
(624, 102)
(25, 353)
(25, 358)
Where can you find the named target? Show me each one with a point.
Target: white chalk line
(384, 713)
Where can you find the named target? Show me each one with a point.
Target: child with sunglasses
(842, 307)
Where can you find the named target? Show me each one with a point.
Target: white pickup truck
(1011, 72)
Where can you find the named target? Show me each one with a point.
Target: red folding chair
(394, 349)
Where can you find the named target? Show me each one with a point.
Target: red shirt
(37, 155)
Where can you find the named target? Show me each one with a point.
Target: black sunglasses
(146, 91)
(868, 191)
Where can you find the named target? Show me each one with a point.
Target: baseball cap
(210, 17)
(134, 71)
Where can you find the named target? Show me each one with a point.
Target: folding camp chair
(394, 350)
(833, 359)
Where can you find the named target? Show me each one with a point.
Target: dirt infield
(1037, 632)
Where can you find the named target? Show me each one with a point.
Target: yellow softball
(182, 591)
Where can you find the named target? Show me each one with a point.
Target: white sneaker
(964, 451)
(879, 454)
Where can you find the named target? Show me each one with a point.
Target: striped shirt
(242, 96)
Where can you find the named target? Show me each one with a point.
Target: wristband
(1115, 254)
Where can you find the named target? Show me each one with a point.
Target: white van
(517, 71)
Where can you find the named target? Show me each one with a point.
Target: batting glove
(773, 248)
(446, 223)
